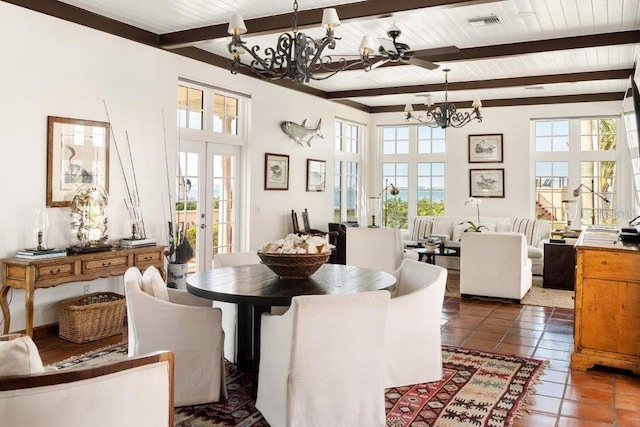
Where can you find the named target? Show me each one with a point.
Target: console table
(607, 304)
(45, 273)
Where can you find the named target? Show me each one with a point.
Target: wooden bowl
(294, 266)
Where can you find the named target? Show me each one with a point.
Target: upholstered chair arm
(181, 297)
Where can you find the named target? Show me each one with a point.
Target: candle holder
(373, 207)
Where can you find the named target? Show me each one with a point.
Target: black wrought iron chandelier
(296, 56)
(445, 115)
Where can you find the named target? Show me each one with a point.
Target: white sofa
(451, 229)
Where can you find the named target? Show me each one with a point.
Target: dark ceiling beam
(488, 84)
(307, 18)
(537, 46)
(513, 102)
(88, 19)
(521, 48)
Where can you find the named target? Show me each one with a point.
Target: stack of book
(41, 254)
(136, 243)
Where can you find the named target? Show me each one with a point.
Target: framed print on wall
(316, 175)
(276, 171)
(485, 148)
(486, 182)
(77, 155)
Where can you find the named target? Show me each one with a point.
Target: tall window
(413, 155)
(394, 207)
(576, 170)
(552, 181)
(346, 170)
(431, 181)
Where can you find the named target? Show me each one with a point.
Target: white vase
(177, 276)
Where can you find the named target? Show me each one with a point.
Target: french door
(206, 194)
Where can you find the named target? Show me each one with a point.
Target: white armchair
(413, 341)
(126, 393)
(169, 319)
(229, 309)
(494, 265)
(376, 248)
(321, 362)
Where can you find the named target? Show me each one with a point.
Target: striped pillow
(529, 227)
(421, 228)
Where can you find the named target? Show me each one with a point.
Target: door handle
(203, 226)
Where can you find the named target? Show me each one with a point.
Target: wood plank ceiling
(541, 51)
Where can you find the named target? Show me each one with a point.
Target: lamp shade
(428, 100)
(408, 108)
(330, 18)
(236, 25)
(476, 103)
(367, 45)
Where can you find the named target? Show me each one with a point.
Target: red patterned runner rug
(478, 389)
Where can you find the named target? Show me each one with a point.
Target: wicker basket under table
(91, 317)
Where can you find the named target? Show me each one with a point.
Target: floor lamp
(577, 191)
(393, 190)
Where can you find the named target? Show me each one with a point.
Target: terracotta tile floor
(564, 397)
(598, 397)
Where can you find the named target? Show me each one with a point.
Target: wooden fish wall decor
(300, 133)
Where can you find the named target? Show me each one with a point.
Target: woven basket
(91, 317)
(294, 266)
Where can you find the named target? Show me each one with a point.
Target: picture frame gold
(276, 171)
(77, 155)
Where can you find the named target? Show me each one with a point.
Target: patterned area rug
(478, 389)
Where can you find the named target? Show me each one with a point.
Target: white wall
(52, 67)
(514, 124)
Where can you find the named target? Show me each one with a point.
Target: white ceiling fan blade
(379, 63)
(388, 46)
(422, 63)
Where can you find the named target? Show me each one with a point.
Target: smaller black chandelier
(296, 56)
(445, 115)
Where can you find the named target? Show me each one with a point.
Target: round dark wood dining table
(256, 289)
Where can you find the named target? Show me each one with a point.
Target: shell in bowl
(294, 266)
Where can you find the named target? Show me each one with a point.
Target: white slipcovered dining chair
(494, 265)
(229, 309)
(413, 343)
(376, 248)
(169, 319)
(321, 362)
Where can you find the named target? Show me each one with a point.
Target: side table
(559, 266)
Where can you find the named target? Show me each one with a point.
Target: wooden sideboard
(607, 312)
(45, 273)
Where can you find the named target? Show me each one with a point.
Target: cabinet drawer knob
(56, 271)
(106, 264)
(147, 258)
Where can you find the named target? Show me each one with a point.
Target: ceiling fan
(395, 51)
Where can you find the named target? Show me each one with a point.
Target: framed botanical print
(485, 148)
(316, 175)
(486, 182)
(276, 171)
(77, 155)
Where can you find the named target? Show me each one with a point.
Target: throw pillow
(158, 286)
(421, 228)
(19, 356)
(529, 227)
